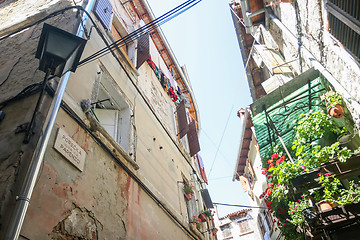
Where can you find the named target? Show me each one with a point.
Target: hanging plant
(334, 103)
(188, 190)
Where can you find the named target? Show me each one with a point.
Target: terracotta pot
(337, 111)
(325, 205)
(188, 196)
(203, 217)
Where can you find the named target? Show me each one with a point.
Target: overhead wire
(142, 30)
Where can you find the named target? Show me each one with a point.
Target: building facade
(124, 142)
(296, 55)
(248, 171)
(237, 225)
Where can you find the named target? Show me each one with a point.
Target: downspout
(23, 200)
(174, 60)
(317, 65)
(247, 15)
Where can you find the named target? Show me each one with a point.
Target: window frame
(123, 121)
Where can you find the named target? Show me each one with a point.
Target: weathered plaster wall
(160, 101)
(316, 38)
(103, 201)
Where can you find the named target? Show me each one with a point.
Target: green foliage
(308, 155)
(349, 195)
(331, 188)
(314, 125)
(296, 210)
(332, 98)
(188, 188)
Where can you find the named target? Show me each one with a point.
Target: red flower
(280, 160)
(264, 171)
(274, 156)
(268, 191)
(269, 177)
(319, 173)
(281, 210)
(270, 161)
(270, 185)
(327, 174)
(271, 165)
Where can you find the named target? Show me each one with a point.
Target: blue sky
(203, 38)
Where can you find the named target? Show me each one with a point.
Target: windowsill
(196, 231)
(109, 142)
(242, 234)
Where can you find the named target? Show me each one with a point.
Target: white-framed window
(244, 226)
(113, 111)
(226, 231)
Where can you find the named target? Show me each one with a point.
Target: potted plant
(333, 101)
(196, 222)
(326, 197)
(188, 190)
(296, 210)
(206, 214)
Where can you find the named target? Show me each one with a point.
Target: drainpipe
(317, 65)
(247, 15)
(174, 60)
(23, 200)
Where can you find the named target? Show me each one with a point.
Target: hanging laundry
(162, 81)
(156, 71)
(151, 63)
(178, 91)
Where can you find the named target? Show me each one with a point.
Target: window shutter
(261, 225)
(344, 21)
(143, 50)
(193, 139)
(103, 11)
(202, 169)
(182, 119)
(207, 199)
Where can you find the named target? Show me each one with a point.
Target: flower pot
(203, 217)
(325, 205)
(188, 196)
(337, 111)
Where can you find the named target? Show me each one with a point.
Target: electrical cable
(142, 30)
(222, 136)
(236, 205)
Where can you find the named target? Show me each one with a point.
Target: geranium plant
(196, 221)
(296, 210)
(188, 188)
(209, 214)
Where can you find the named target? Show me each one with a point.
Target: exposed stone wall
(316, 38)
(18, 63)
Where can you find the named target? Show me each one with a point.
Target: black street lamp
(58, 50)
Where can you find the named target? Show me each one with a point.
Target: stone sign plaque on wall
(67, 147)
